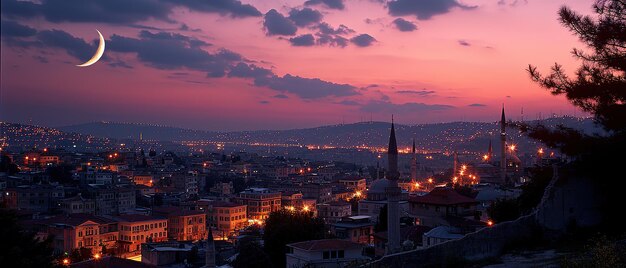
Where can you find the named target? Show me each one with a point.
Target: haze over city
(280, 64)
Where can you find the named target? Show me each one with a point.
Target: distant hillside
(134, 131)
(457, 135)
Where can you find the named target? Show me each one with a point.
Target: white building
(440, 234)
(324, 253)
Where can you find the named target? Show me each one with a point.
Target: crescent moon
(98, 53)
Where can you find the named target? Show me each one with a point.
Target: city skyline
(273, 64)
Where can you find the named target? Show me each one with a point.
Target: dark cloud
(348, 103)
(512, 2)
(276, 24)
(363, 40)
(74, 46)
(264, 102)
(306, 88)
(331, 40)
(477, 105)
(422, 92)
(411, 107)
(325, 28)
(234, 8)
(120, 11)
(464, 43)
(404, 25)
(423, 9)
(327, 35)
(14, 8)
(370, 86)
(306, 40)
(281, 96)
(14, 29)
(174, 51)
(248, 71)
(120, 64)
(41, 59)
(333, 4)
(305, 17)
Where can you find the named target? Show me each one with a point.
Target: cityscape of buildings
(154, 206)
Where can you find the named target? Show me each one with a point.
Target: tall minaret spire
(210, 251)
(503, 147)
(413, 164)
(393, 193)
(489, 152)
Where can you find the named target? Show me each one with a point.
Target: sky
(247, 65)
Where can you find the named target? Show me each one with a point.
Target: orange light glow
(540, 151)
(305, 208)
(45, 149)
(110, 156)
(430, 180)
(485, 157)
(512, 147)
(66, 261)
(357, 194)
(97, 256)
(490, 223)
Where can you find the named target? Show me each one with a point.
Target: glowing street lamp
(305, 208)
(66, 262)
(430, 180)
(512, 147)
(357, 194)
(97, 256)
(489, 223)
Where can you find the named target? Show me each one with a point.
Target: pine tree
(598, 88)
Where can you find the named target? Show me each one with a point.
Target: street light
(66, 262)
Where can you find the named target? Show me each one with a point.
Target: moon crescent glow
(98, 53)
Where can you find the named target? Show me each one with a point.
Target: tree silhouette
(20, 248)
(284, 227)
(599, 88)
(599, 85)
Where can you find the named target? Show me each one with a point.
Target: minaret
(489, 152)
(393, 195)
(503, 147)
(413, 164)
(210, 251)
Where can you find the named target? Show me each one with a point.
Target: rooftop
(442, 196)
(325, 244)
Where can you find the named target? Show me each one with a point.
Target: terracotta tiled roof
(442, 196)
(325, 244)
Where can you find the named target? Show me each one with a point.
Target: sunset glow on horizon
(230, 65)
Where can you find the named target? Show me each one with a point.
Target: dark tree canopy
(284, 227)
(20, 248)
(599, 85)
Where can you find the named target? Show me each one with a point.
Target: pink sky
(501, 40)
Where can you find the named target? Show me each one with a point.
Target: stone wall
(565, 201)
